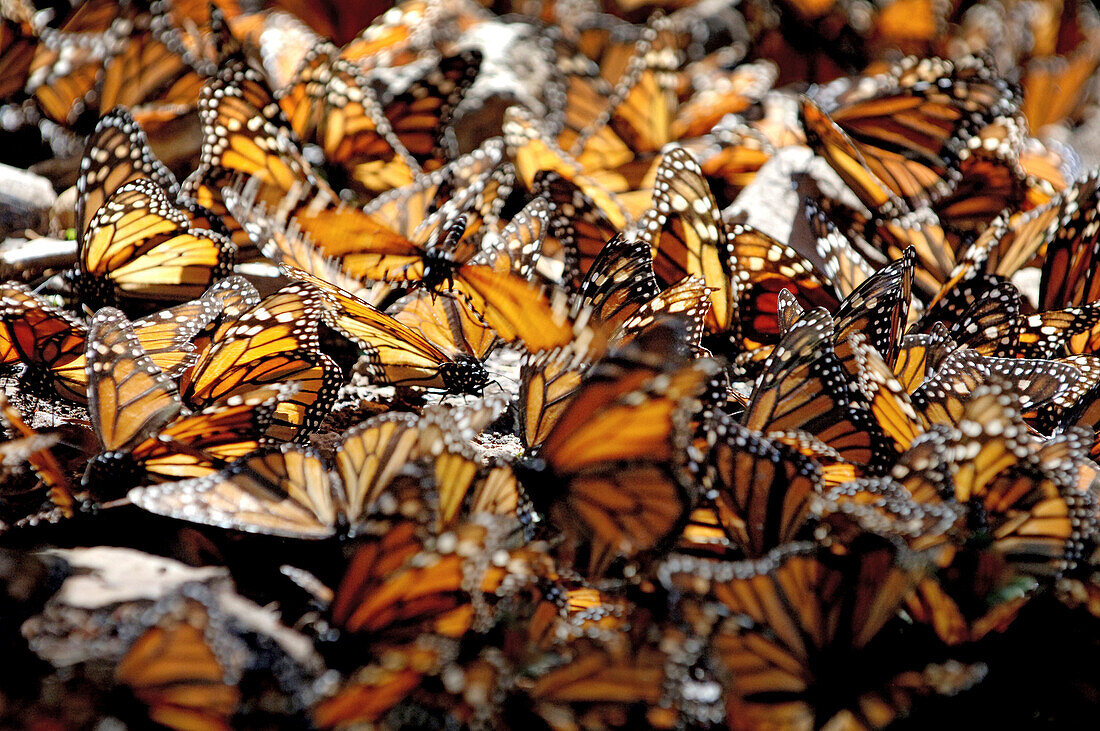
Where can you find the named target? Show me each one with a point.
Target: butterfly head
(465, 374)
(439, 269)
(440, 260)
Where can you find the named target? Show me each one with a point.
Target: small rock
(27, 258)
(63, 213)
(26, 200)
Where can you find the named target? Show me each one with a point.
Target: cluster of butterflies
(593, 450)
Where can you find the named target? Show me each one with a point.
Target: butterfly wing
(282, 492)
(140, 245)
(762, 489)
(49, 341)
(117, 153)
(803, 386)
(687, 237)
(624, 494)
(172, 668)
(129, 398)
(421, 113)
(274, 342)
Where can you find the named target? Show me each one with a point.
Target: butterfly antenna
(37, 285)
(110, 504)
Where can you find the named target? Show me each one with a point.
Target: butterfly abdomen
(110, 474)
(94, 292)
(537, 479)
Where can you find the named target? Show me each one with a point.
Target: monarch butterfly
(972, 597)
(598, 679)
(34, 448)
(686, 235)
(686, 299)
(991, 178)
(377, 688)
(619, 281)
(17, 45)
(63, 90)
(173, 669)
(382, 142)
(376, 251)
(945, 604)
(1050, 167)
(1075, 404)
(838, 149)
(901, 137)
(730, 156)
(395, 587)
(1022, 497)
(448, 321)
(879, 308)
(532, 151)
(1054, 87)
(149, 73)
(421, 112)
(398, 350)
(576, 224)
(50, 342)
(145, 434)
(205, 33)
(984, 313)
(399, 35)
(547, 383)
(584, 93)
(727, 93)
(490, 278)
(482, 172)
(129, 65)
(843, 265)
(1069, 270)
(295, 495)
(880, 240)
(803, 385)
(621, 294)
(614, 497)
(641, 106)
(276, 341)
(283, 243)
(236, 147)
(1035, 382)
(330, 103)
(802, 616)
(919, 354)
(139, 245)
(743, 268)
(762, 489)
(765, 267)
(890, 404)
(1050, 237)
(885, 506)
